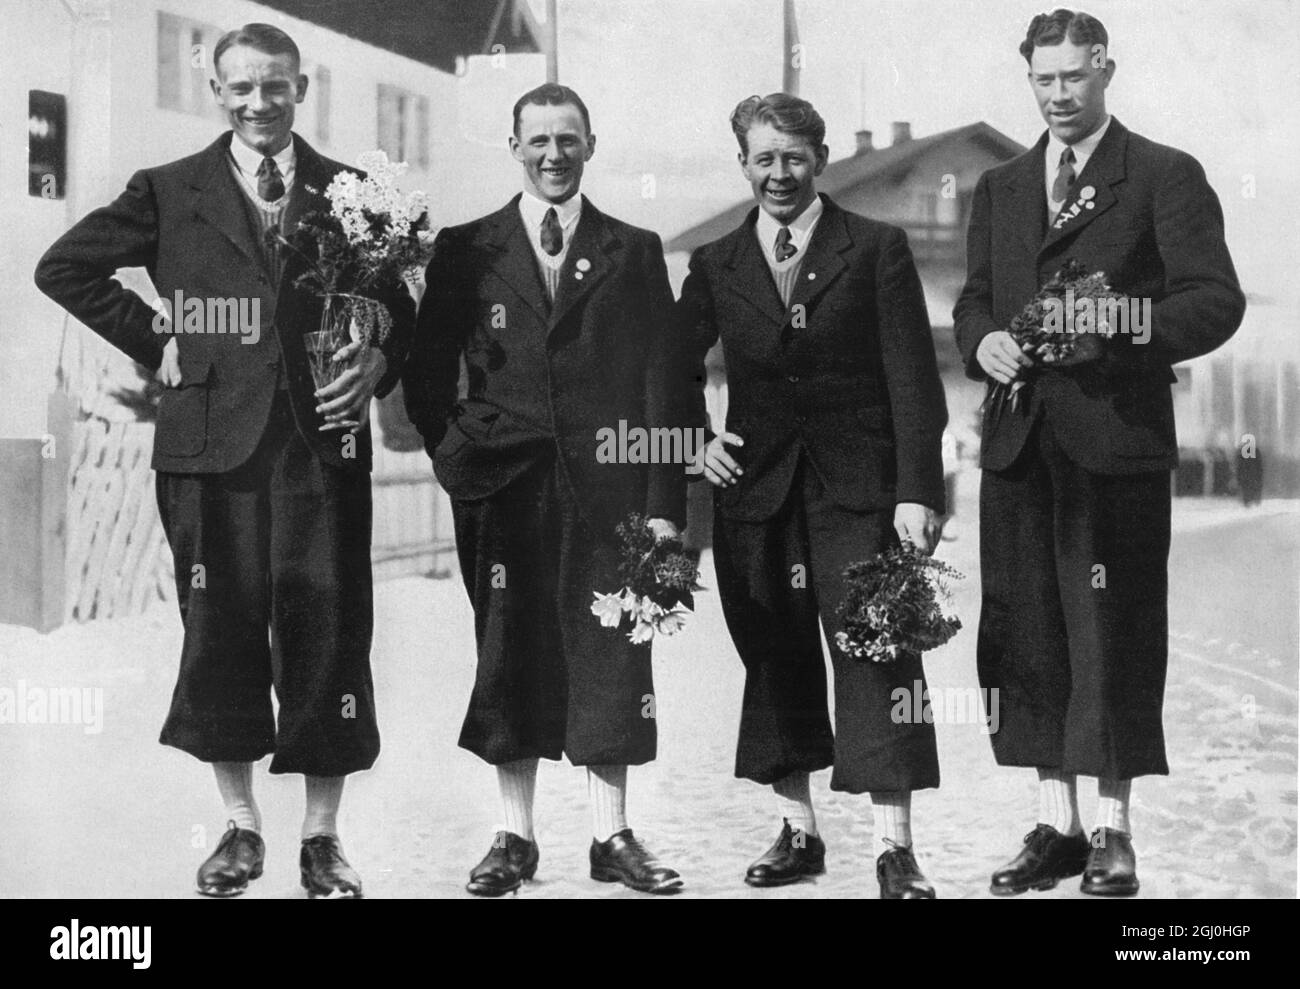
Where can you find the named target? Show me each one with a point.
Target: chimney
(864, 142)
(902, 131)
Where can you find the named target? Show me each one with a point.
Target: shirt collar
(1082, 149)
(249, 161)
(800, 228)
(533, 210)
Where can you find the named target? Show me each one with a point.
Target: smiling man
(831, 454)
(1075, 501)
(561, 315)
(263, 486)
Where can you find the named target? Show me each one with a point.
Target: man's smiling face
(259, 93)
(554, 146)
(781, 169)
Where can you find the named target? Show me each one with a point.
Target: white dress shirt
(1082, 152)
(532, 209)
(801, 231)
(248, 161)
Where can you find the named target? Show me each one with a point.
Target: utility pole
(552, 37)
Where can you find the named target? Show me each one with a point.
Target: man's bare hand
(918, 524)
(1001, 357)
(663, 529)
(169, 372)
(718, 465)
(345, 402)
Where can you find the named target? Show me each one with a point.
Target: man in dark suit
(1075, 501)
(835, 413)
(561, 316)
(263, 486)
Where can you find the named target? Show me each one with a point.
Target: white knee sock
(324, 794)
(518, 782)
(893, 815)
(235, 784)
(1112, 804)
(1058, 801)
(607, 788)
(794, 802)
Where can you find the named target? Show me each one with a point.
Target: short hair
(788, 114)
(265, 38)
(1060, 24)
(551, 94)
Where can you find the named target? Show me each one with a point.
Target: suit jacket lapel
(752, 280)
(1093, 192)
(824, 260)
(216, 198)
(514, 260)
(311, 178)
(1028, 185)
(587, 262)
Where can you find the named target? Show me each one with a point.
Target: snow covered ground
(103, 810)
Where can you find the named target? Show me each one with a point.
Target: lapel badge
(583, 265)
(812, 275)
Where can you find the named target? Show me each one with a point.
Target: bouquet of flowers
(893, 605)
(373, 233)
(659, 583)
(1045, 328)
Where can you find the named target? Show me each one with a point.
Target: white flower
(643, 632)
(608, 608)
(647, 610)
(670, 623)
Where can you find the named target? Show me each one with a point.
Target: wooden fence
(118, 561)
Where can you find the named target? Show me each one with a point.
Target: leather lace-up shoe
(509, 861)
(326, 874)
(623, 859)
(237, 860)
(1112, 866)
(1047, 858)
(900, 877)
(795, 855)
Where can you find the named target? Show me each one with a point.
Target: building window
(320, 85)
(404, 126)
(47, 144)
(185, 65)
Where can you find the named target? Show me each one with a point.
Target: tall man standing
(1075, 501)
(835, 415)
(263, 487)
(561, 315)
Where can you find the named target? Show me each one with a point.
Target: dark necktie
(1064, 176)
(552, 235)
(784, 249)
(270, 184)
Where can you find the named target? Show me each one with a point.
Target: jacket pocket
(182, 429)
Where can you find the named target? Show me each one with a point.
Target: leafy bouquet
(892, 605)
(659, 583)
(372, 233)
(1045, 328)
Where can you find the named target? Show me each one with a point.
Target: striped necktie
(784, 249)
(1064, 176)
(270, 184)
